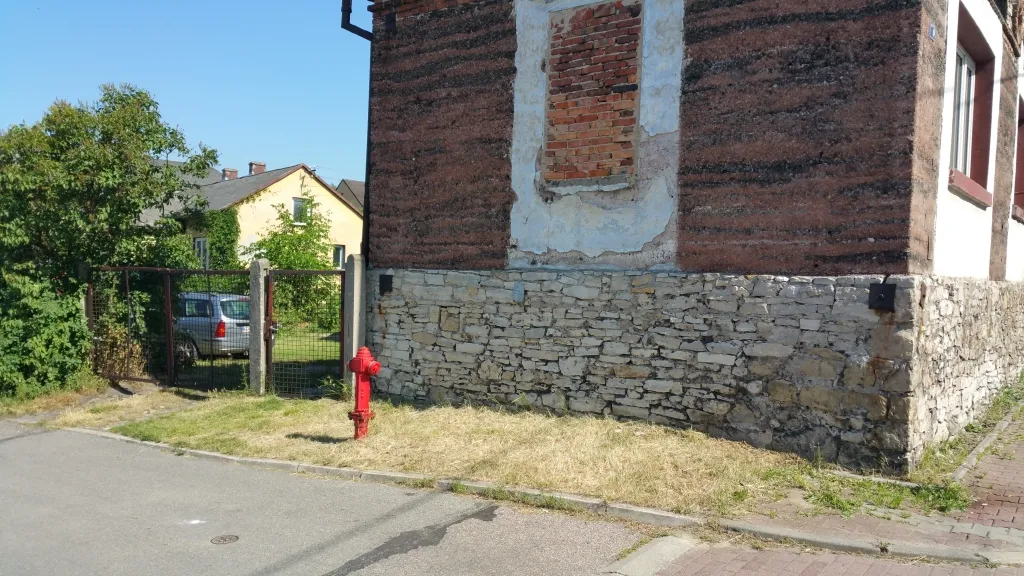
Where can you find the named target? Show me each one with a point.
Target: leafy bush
(304, 246)
(43, 337)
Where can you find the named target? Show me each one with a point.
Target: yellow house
(256, 198)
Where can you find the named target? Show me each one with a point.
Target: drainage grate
(225, 539)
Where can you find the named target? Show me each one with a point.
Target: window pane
(300, 209)
(235, 309)
(339, 256)
(966, 123)
(955, 155)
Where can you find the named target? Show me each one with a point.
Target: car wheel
(186, 353)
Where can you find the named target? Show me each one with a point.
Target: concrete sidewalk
(77, 504)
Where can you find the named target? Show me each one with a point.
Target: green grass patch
(849, 495)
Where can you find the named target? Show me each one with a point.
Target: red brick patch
(593, 71)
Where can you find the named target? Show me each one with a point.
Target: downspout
(346, 24)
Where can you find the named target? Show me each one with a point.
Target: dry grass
(84, 386)
(631, 462)
(105, 414)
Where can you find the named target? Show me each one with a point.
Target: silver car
(211, 325)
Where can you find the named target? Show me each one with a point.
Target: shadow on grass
(322, 439)
(187, 395)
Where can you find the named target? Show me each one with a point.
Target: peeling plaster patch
(567, 187)
(661, 73)
(627, 226)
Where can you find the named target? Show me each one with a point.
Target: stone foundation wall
(797, 364)
(970, 343)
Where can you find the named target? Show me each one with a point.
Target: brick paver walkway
(998, 483)
(726, 560)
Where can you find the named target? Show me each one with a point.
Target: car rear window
(235, 309)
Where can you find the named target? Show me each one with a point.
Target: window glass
(235, 309)
(198, 308)
(300, 210)
(963, 111)
(339, 256)
(202, 251)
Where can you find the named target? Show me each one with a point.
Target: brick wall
(592, 91)
(1005, 120)
(797, 125)
(441, 128)
(931, 69)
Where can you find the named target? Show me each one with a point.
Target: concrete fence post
(257, 325)
(355, 325)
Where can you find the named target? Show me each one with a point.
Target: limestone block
(630, 411)
(709, 358)
(772, 349)
(469, 348)
(572, 366)
(582, 292)
(824, 399)
(631, 371)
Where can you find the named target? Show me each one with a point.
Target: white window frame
(296, 204)
(339, 263)
(965, 80)
(201, 247)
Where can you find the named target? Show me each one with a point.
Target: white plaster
(963, 230)
(1015, 251)
(661, 70)
(596, 223)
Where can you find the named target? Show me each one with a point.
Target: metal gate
(170, 326)
(305, 332)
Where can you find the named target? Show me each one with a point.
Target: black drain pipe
(347, 25)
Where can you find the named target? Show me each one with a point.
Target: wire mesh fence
(305, 351)
(128, 328)
(211, 329)
(133, 310)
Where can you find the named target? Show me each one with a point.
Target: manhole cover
(226, 539)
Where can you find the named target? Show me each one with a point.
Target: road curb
(652, 557)
(600, 507)
(853, 545)
(972, 459)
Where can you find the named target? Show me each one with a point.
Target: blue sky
(273, 81)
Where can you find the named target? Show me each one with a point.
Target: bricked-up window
(593, 69)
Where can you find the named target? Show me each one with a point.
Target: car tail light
(222, 330)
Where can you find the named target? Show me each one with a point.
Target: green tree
(301, 245)
(74, 185)
(73, 190)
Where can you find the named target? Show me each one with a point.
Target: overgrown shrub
(43, 337)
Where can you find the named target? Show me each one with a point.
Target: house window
(339, 256)
(202, 252)
(300, 210)
(963, 110)
(198, 308)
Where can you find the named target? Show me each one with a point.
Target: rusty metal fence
(174, 327)
(305, 316)
(191, 328)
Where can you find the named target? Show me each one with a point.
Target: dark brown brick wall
(592, 90)
(931, 69)
(441, 130)
(1006, 139)
(797, 125)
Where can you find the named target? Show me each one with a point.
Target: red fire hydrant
(363, 366)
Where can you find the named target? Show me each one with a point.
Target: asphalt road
(77, 504)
